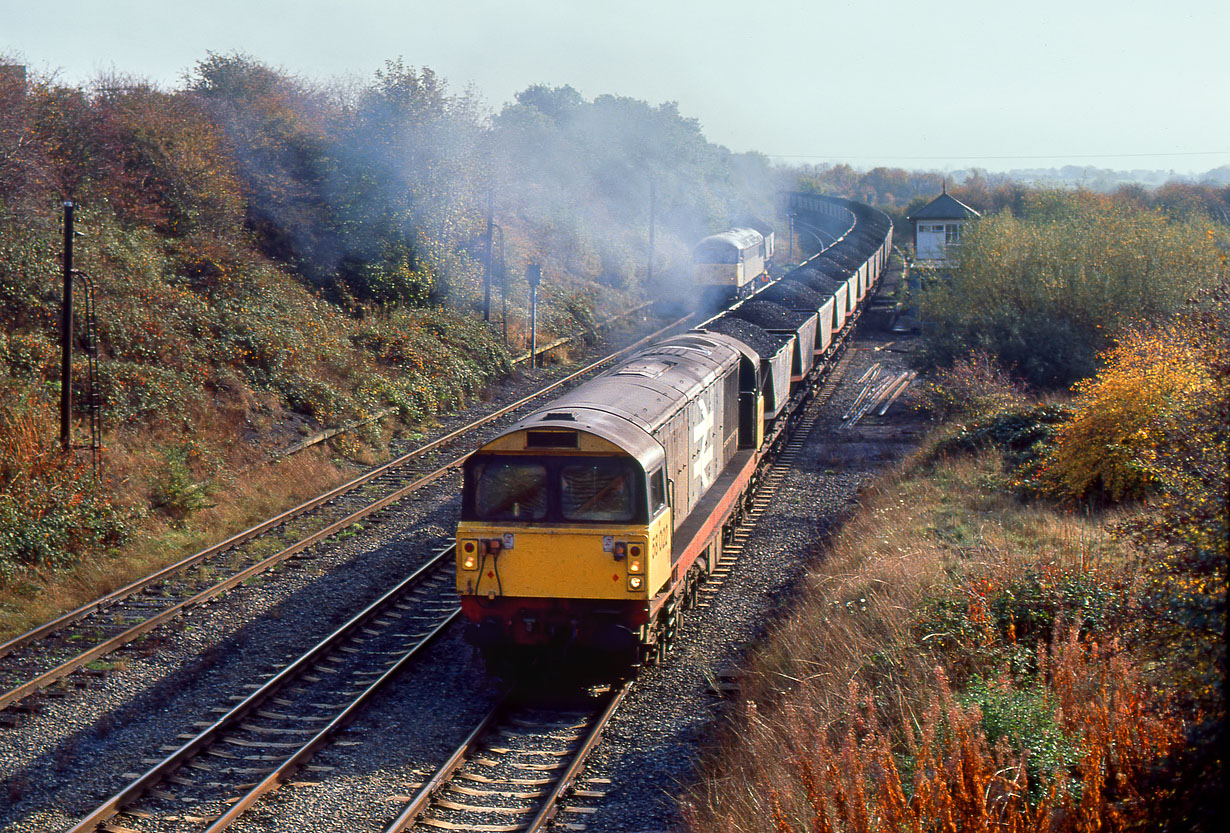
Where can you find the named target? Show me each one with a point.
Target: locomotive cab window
(510, 491)
(657, 492)
(597, 490)
(554, 488)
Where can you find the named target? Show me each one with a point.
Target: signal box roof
(944, 207)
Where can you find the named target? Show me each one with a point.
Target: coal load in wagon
(794, 295)
(865, 242)
(834, 226)
(769, 315)
(764, 343)
(877, 222)
(814, 280)
(845, 255)
(830, 268)
(877, 229)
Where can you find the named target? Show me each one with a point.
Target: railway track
(513, 770)
(83, 638)
(257, 745)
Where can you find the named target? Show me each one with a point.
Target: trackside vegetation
(1024, 626)
(273, 256)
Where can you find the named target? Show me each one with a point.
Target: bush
(175, 492)
(1046, 291)
(973, 386)
(51, 508)
(1148, 391)
(1024, 436)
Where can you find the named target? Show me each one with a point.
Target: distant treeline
(900, 192)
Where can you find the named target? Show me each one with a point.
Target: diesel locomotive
(587, 525)
(729, 265)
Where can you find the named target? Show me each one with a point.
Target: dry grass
(262, 491)
(919, 684)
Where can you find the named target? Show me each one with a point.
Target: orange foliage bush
(49, 504)
(1151, 385)
(850, 776)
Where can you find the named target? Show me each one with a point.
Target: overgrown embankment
(1022, 629)
(1043, 289)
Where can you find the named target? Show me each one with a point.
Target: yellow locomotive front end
(565, 537)
(727, 265)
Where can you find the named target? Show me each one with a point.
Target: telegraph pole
(66, 335)
(652, 194)
(487, 283)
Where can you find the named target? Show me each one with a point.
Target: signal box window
(510, 491)
(597, 490)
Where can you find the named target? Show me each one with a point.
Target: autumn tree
(1044, 292)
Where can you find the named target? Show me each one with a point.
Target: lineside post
(489, 270)
(66, 335)
(533, 274)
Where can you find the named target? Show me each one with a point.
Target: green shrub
(1024, 436)
(1046, 291)
(174, 490)
(1024, 719)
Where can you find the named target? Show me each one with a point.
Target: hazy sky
(931, 85)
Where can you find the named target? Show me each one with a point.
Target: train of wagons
(587, 526)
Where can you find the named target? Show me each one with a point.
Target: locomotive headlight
(635, 582)
(469, 555)
(635, 565)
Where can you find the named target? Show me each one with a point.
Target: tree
(1045, 292)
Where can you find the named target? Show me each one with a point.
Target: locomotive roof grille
(561, 415)
(649, 369)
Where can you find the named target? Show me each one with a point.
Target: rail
(234, 719)
(429, 794)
